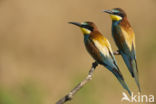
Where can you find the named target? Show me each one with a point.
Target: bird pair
(100, 49)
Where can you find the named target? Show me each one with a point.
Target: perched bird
(124, 38)
(100, 49)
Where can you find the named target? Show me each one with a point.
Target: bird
(100, 49)
(124, 38)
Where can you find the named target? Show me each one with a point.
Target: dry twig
(70, 95)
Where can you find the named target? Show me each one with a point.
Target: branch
(70, 95)
(116, 52)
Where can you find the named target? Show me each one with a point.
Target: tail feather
(135, 71)
(127, 62)
(120, 78)
(132, 67)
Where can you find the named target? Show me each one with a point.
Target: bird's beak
(108, 11)
(76, 23)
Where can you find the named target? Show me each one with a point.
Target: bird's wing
(104, 48)
(128, 48)
(108, 59)
(129, 54)
(129, 43)
(111, 52)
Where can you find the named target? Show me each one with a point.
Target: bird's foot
(116, 52)
(95, 64)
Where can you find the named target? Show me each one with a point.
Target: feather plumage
(124, 38)
(100, 49)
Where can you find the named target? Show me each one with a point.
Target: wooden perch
(70, 95)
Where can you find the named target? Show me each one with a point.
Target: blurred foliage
(86, 93)
(28, 93)
(37, 43)
(7, 97)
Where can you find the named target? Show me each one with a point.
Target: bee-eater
(124, 38)
(100, 49)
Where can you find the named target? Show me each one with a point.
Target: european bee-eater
(100, 49)
(124, 38)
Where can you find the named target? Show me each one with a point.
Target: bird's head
(86, 27)
(116, 14)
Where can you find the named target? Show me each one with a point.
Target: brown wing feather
(127, 32)
(93, 51)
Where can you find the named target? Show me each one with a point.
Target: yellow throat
(115, 17)
(85, 31)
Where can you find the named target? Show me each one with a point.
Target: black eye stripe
(88, 27)
(118, 13)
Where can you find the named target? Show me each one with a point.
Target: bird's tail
(127, 62)
(120, 78)
(135, 72)
(132, 67)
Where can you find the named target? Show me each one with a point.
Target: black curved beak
(108, 11)
(75, 23)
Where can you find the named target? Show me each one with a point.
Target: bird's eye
(118, 13)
